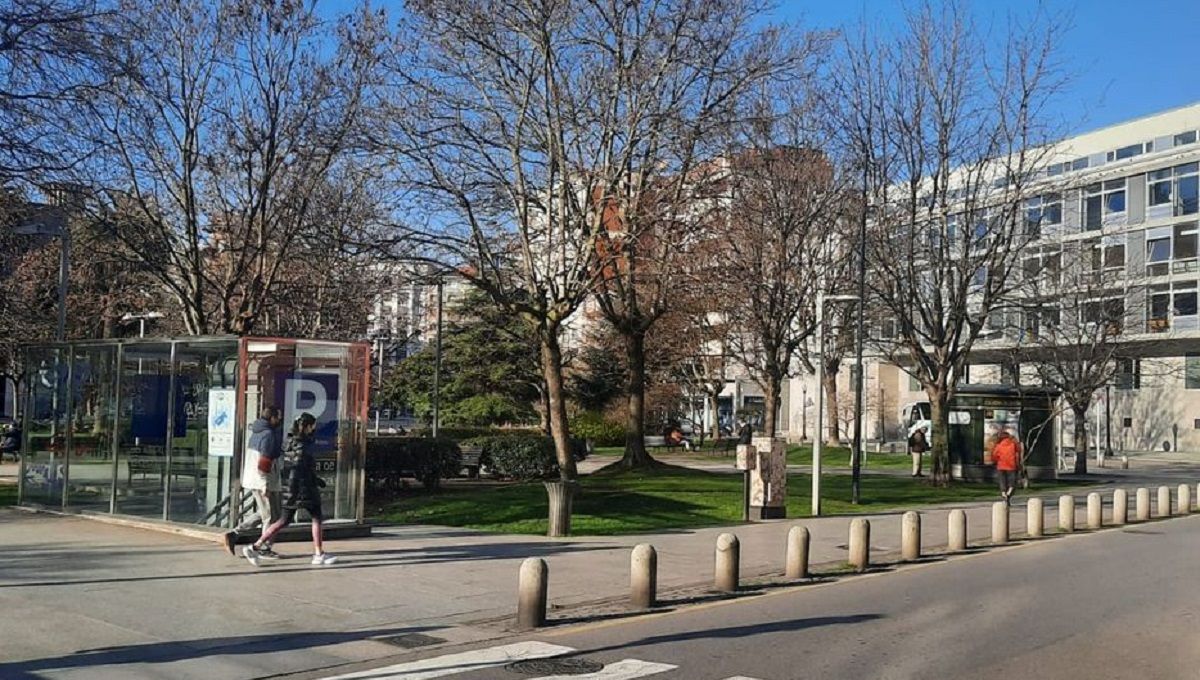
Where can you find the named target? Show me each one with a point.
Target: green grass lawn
(662, 499)
(8, 494)
(831, 456)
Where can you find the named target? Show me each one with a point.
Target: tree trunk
(1081, 437)
(635, 395)
(544, 397)
(770, 400)
(556, 397)
(714, 404)
(939, 452)
(833, 433)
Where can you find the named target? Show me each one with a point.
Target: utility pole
(437, 364)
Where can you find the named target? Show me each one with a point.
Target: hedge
(391, 459)
(523, 456)
(594, 426)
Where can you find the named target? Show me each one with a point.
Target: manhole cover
(555, 667)
(410, 640)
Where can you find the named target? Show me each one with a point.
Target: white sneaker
(250, 554)
(323, 559)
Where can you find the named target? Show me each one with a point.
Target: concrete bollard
(1185, 499)
(1035, 518)
(1095, 516)
(1164, 502)
(1066, 513)
(728, 563)
(910, 536)
(957, 538)
(796, 562)
(1143, 504)
(999, 523)
(531, 593)
(1120, 507)
(643, 576)
(860, 544)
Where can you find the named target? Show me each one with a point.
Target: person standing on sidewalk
(917, 446)
(1006, 453)
(302, 491)
(260, 475)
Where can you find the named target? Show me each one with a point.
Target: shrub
(391, 459)
(523, 456)
(594, 426)
(461, 433)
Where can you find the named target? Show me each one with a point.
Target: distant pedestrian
(302, 491)
(1006, 453)
(745, 433)
(260, 475)
(917, 446)
(10, 442)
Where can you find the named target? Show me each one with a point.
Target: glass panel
(1185, 304)
(44, 468)
(1160, 193)
(1158, 250)
(1052, 213)
(1192, 372)
(1129, 151)
(1185, 242)
(201, 459)
(143, 416)
(93, 414)
(1189, 195)
(1185, 138)
(1114, 257)
(1091, 212)
(1115, 202)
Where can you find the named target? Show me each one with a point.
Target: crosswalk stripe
(464, 662)
(627, 669)
(741, 677)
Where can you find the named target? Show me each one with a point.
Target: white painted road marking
(627, 669)
(740, 677)
(464, 662)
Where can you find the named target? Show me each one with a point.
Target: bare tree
(947, 129)
(220, 138)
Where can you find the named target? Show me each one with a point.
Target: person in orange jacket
(1006, 454)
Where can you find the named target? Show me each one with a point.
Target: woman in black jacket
(301, 491)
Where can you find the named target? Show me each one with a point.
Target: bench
(659, 442)
(471, 460)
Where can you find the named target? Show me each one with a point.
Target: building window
(1184, 248)
(1107, 256)
(1178, 187)
(1129, 374)
(1128, 151)
(914, 385)
(1196, 424)
(1158, 252)
(1158, 309)
(1191, 372)
(1188, 137)
(1042, 211)
(1127, 422)
(1102, 200)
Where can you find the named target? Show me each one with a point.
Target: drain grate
(409, 640)
(555, 667)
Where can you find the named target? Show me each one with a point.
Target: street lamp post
(437, 365)
(51, 222)
(819, 437)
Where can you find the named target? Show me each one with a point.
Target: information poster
(222, 404)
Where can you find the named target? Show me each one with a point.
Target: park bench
(659, 442)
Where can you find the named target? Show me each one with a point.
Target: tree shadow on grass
(186, 650)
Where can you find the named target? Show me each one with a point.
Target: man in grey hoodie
(260, 475)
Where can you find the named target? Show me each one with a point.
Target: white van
(915, 416)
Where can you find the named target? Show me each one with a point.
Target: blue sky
(1127, 58)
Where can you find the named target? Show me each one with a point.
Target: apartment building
(1126, 199)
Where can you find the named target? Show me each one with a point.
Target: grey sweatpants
(267, 510)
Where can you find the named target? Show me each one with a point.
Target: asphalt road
(1114, 604)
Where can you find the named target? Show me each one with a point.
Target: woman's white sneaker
(323, 559)
(250, 554)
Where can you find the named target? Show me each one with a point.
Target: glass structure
(156, 428)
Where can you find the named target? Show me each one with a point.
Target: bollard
(725, 579)
(531, 593)
(1164, 502)
(1095, 517)
(1066, 512)
(643, 576)
(1120, 507)
(910, 536)
(796, 562)
(999, 523)
(1185, 499)
(958, 531)
(860, 544)
(1035, 518)
(1143, 504)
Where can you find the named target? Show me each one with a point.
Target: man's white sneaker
(250, 554)
(323, 559)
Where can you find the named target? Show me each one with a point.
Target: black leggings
(289, 514)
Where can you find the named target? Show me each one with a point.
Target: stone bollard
(1066, 513)
(910, 536)
(999, 523)
(1164, 502)
(796, 560)
(1035, 518)
(1120, 507)
(957, 538)
(1185, 499)
(1143, 504)
(860, 544)
(643, 576)
(725, 578)
(1095, 516)
(531, 593)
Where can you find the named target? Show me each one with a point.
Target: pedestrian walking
(261, 476)
(917, 446)
(302, 491)
(1006, 454)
